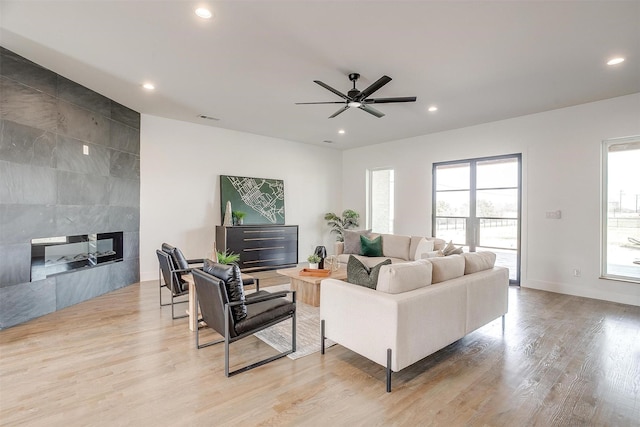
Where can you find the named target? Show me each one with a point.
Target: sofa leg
(388, 370)
(503, 324)
(322, 336)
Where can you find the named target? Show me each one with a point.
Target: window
(476, 204)
(621, 209)
(380, 203)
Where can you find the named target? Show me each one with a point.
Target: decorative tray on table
(315, 272)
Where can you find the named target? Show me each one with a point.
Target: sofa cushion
(478, 261)
(352, 241)
(371, 247)
(360, 274)
(396, 246)
(404, 277)
(447, 268)
(422, 248)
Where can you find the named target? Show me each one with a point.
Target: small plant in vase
(238, 217)
(313, 261)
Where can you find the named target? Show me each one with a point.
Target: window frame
(471, 230)
(369, 211)
(604, 207)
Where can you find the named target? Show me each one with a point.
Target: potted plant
(313, 261)
(349, 219)
(227, 258)
(238, 217)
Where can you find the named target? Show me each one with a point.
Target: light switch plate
(554, 214)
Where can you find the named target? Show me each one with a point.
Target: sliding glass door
(476, 204)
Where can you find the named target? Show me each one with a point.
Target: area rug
(307, 330)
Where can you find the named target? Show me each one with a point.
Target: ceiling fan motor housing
(361, 99)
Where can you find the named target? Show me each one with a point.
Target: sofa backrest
(478, 261)
(404, 277)
(447, 268)
(396, 246)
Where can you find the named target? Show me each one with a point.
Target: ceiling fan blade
(374, 87)
(326, 86)
(328, 102)
(371, 110)
(388, 100)
(342, 110)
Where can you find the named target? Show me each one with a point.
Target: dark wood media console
(261, 247)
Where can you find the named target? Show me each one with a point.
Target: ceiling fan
(360, 99)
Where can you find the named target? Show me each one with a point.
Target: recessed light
(204, 13)
(148, 86)
(432, 109)
(341, 131)
(615, 61)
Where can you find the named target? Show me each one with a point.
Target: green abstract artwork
(261, 199)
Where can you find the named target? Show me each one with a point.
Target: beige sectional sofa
(397, 248)
(417, 308)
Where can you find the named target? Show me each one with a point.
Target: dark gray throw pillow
(360, 274)
(230, 275)
(352, 241)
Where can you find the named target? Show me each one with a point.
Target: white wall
(561, 171)
(180, 165)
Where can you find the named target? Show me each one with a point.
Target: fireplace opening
(56, 255)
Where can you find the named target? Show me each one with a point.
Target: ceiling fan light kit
(360, 99)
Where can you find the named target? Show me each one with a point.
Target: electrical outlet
(576, 272)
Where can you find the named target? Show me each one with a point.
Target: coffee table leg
(308, 293)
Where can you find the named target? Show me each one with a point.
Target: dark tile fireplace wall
(48, 187)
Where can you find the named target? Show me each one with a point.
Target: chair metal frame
(170, 286)
(227, 339)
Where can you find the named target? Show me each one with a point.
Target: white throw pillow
(404, 277)
(423, 247)
(432, 254)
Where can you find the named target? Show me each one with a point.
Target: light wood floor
(120, 360)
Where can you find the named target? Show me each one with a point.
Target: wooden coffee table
(308, 287)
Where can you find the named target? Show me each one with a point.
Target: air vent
(328, 141)
(204, 116)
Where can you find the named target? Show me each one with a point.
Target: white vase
(313, 265)
(228, 218)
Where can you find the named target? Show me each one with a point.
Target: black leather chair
(172, 266)
(226, 310)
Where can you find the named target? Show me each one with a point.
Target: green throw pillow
(360, 274)
(371, 247)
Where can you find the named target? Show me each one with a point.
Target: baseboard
(148, 275)
(580, 291)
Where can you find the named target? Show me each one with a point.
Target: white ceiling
(478, 61)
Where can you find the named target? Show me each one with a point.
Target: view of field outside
(623, 211)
